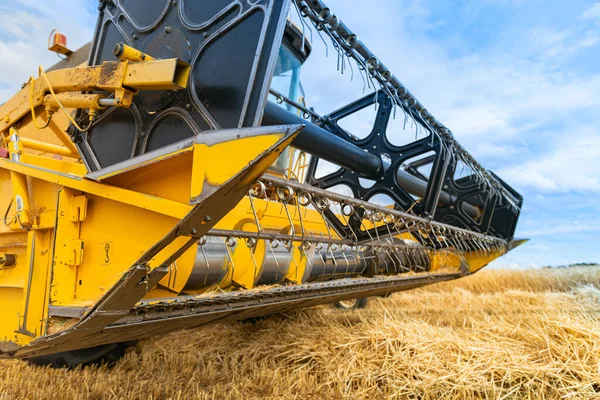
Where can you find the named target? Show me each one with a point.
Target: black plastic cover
(232, 47)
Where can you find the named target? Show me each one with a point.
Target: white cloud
(593, 12)
(485, 149)
(570, 166)
(500, 102)
(24, 30)
(514, 101)
(562, 228)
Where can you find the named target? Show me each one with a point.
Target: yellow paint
(74, 219)
(47, 148)
(128, 53)
(247, 262)
(119, 78)
(477, 261)
(225, 159)
(72, 100)
(74, 237)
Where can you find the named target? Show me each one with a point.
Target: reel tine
(434, 237)
(229, 243)
(285, 198)
(251, 244)
(324, 41)
(260, 191)
(304, 24)
(201, 242)
(391, 257)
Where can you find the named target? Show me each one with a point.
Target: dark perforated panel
(232, 47)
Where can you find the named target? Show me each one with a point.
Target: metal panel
(232, 46)
(186, 312)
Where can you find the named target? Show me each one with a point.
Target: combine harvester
(173, 176)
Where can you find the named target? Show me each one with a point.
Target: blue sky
(517, 81)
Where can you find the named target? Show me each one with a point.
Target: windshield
(286, 81)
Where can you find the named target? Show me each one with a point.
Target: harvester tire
(352, 304)
(104, 354)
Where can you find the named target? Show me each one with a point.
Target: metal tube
(418, 187)
(107, 102)
(7, 261)
(127, 53)
(324, 144)
(223, 233)
(20, 189)
(314, 191)
(72, 100)
(47, 147)
(307, 113)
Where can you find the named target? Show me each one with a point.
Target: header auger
(179, 178)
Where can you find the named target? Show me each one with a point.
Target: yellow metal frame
(84, 216)
(122, 78)
(73, 237)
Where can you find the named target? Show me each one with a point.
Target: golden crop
(498, 334)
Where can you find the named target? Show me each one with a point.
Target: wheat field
(495, 335)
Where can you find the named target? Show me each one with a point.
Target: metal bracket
(75, 252)
(79, 207)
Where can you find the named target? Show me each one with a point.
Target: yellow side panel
(10, 313)
(215, 164)
(477, 260)
(114, 236)
(23, 288)
(34, 306)
(169, 179)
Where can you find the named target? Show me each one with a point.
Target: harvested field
(498, 334)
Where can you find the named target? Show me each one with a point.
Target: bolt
(167, 29)
(194, 231)
(207, 218)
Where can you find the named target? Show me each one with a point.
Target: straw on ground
(498, 334)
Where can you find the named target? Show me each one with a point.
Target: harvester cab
(178, 178)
